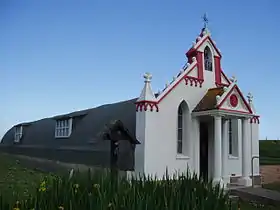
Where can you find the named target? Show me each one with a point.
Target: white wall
(157, 132)
(211, 150)
(234, 163)
(161, 149)
(254, 134)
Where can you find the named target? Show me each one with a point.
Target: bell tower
(207, 54)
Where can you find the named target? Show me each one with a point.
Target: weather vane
(205, 20)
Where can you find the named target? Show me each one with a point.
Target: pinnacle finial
(250, 97)
(233, 79)
(148, 77)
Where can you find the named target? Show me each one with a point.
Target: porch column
(245, 179)
(225, 175)
(196, 145)
(218, 150)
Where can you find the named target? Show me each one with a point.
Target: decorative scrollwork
(192, 81)
(144, 105)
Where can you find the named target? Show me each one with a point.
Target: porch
(214, 141)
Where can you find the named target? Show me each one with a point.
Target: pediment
(234, 101)
(207, 41)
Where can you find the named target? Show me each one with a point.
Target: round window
(233, 100)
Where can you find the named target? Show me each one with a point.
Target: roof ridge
(215, 88)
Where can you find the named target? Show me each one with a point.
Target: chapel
(201, 121)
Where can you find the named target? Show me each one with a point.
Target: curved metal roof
(87, 125)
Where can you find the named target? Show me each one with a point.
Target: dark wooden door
(204, 150)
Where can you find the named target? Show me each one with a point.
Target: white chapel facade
(201, 121)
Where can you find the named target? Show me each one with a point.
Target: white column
(196, 144)
(225, 174)
(245, 179)
(218, 151)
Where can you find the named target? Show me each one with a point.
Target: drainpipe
(252, 169)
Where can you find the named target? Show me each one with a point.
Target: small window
(230, 139)
(180, 131)
(63, 128)
(207, 59)
(233, 138)
(18, 134)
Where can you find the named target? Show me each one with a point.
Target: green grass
(269, 161)
(273, 186)
(102, 191)
(269, 152)
(16, 179)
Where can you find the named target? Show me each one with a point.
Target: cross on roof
(147, 77)
(205, 20)
(250, 97)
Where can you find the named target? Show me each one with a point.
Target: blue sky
(61, 56)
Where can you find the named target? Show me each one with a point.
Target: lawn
(16, 179)
(273, 186)
(269, 152)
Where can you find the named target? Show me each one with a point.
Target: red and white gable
(203, 42)
(232, 100)
(196, 75)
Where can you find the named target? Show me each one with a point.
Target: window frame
(18, 133)
(230, 138)
(63, 128)
(233, 139)
(208, 59)
(180, 131)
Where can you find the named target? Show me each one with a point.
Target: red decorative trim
(191, 51)
(218, 73)
(175, 85)
(209, 38)
(255, 119)
(193, 81)
(241, 95)
(225, 76)
(143, 106)
(199, 58)
(221, 85)
(236, 111)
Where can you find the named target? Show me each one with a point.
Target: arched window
(207, 59)
(180, 130)
(183, 120)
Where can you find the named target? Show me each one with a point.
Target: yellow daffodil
(42, 187)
